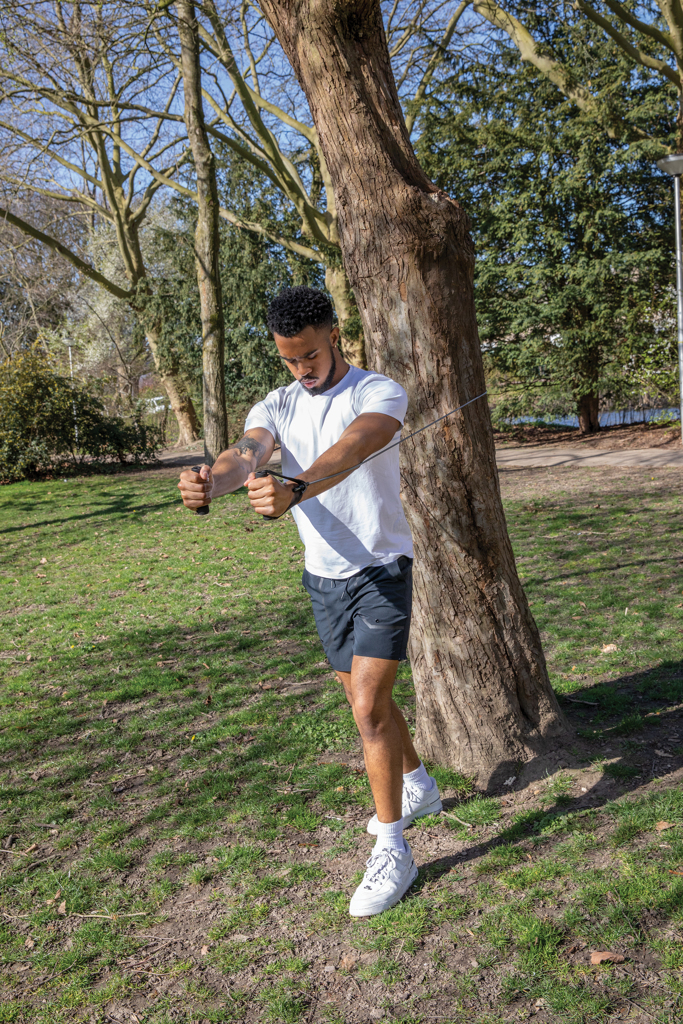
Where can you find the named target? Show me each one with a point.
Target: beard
(327, 383)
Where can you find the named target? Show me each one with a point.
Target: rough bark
(181, 403)
(206, 240)
(484, 701)
(350, 328)
(588, 409)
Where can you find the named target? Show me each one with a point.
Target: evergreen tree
(573, 229)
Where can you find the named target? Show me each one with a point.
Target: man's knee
(372, 715)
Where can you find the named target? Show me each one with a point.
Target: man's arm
(230, 470)
(368, 433)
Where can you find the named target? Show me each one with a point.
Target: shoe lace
(378, 867)
(412, 794)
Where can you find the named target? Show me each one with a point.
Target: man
(358, 552)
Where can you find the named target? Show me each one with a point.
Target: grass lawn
(183, 801)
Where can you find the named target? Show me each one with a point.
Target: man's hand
(196, 488)
(268, 496)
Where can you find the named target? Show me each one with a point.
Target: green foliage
(573, 229)
(50, 425)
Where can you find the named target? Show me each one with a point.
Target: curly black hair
(296, 308)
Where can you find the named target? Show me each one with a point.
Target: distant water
(607, 419)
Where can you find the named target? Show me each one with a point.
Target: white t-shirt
(359, 521)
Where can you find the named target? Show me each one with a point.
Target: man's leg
(410, 759)
(391, 869)
(423, 795)
(370, 684)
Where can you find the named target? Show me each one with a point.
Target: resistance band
(302, 485)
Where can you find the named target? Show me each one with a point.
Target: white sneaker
(415, 803)
(389, 875)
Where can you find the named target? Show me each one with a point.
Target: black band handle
(298, 490)
(203, 510)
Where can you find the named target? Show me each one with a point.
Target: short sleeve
(380, 394)
(263, 414)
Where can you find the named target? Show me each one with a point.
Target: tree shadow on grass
(631, 712)
(123, 504)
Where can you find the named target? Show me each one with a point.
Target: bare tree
(484, 698)
(258, 111)
(207, 239)
(68, 75)
(37, 287)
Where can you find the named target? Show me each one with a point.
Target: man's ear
(334, 337)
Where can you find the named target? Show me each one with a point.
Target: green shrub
(52, 425)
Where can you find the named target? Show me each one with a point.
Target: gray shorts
(367, 614)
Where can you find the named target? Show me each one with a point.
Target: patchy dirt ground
(637, 435)
(207, 957)
(183, 802)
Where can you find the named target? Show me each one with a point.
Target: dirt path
(640, 444)
(529, 457)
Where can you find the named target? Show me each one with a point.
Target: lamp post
(674, 165)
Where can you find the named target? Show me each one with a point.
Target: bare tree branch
(528, 51)
(58, 247)
(634, 52)
(435, 61)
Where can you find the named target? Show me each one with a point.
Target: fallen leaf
(43, 561)
(662, 753)
(573, 949)
(204, 950)
(29, 943)
(606, 957)
(661, 826)
(676, 872)
(61, 909)
(608, 648)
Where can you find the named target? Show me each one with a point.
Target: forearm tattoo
(249, 446)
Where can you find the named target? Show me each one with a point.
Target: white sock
(419, 778)
(390, 836)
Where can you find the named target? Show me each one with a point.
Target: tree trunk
(350, 327)
(587, 408)
(206, 240)
(181, 403)
(484, 701)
